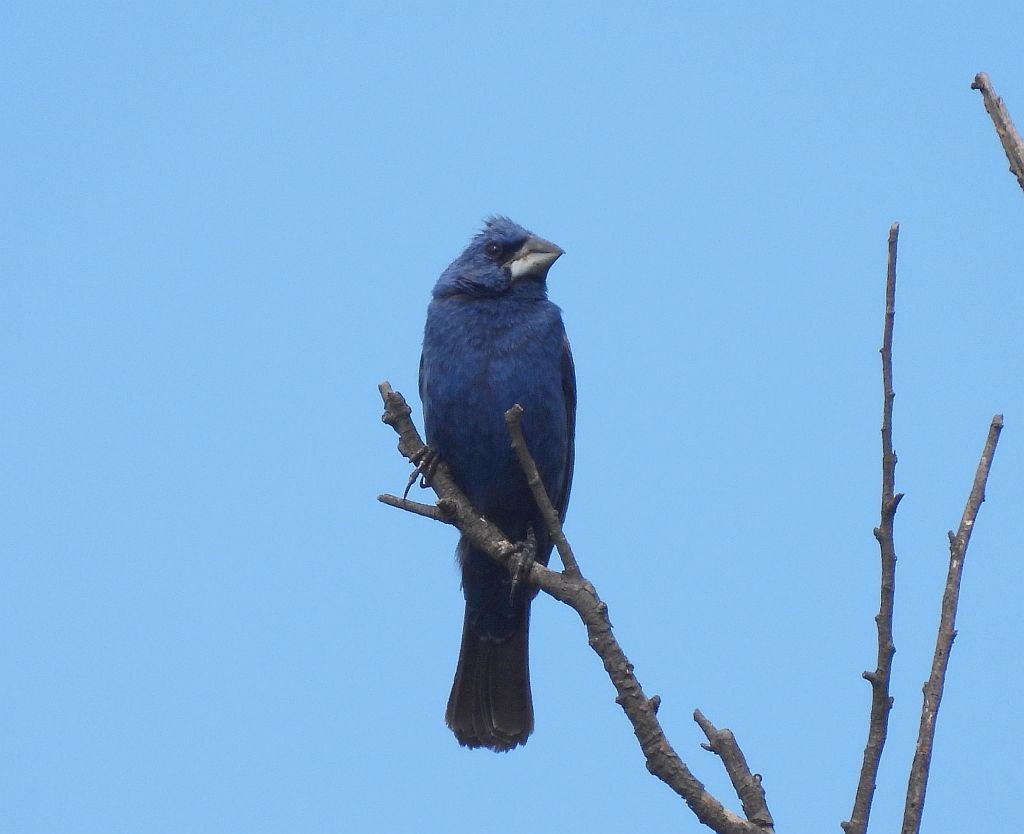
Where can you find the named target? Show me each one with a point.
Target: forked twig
(881, 701)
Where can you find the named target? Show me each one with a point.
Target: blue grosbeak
(493, 339)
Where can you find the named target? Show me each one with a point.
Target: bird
(493, 339)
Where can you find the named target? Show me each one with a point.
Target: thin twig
(918, 782)
(581, 596)
(438, 512)
(747, 785)
(514, 421)
(1010, 139)
(881, 701)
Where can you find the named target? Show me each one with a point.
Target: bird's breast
(478, 363)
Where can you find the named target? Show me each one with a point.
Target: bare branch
(918, 782)
(748, 785)
(579, 594)
(881, 701)
(474, 526)
(438, 512)
(514, 421)
(1010, 139)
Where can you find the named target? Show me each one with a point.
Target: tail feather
(491, 705)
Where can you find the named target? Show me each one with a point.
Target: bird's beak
(534, 258)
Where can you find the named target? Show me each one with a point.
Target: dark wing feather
(420, 385)
(569, 391)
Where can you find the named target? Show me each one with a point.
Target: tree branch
(881, 701)
(514, 421)
(918, 781)
(578, 593)
(1010, 139)
(438, 512)
(747, 785)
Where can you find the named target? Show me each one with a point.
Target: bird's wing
(569, 391)
(421, 378)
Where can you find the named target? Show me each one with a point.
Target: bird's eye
(492, 249)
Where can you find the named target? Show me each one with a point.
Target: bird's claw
(522, 560)
(426, 460)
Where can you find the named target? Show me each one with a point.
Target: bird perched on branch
(493, 339)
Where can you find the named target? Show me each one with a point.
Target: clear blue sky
(220, 227)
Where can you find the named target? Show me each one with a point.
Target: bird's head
(502, 256)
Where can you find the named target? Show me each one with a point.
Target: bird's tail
(490, 705)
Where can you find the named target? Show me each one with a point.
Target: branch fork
(879, 678)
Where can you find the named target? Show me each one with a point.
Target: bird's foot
(522, 560)
(426, 460)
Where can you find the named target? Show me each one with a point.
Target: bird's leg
(522, 560)
(426, 460)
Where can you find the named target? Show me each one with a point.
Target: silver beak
(534, 258)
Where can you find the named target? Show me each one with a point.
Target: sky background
(219, 228)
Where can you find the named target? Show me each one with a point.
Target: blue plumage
(493, 339)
